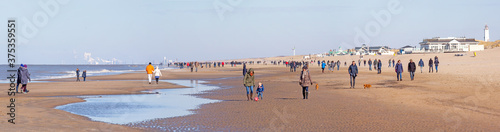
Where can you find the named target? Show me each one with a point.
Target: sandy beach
(463, 96)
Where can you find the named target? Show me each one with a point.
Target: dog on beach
(367, 86)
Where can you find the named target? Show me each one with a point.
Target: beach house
(450, 44)
(365, 50)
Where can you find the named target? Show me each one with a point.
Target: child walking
(260, 90)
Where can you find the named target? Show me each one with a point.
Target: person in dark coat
(19, 77)
(244, 69)
(379, 68)
(411, 69)
(353, 73)
(436, 63)
(430, 65)
(421, 64)
(392, 62)
(399, 70)
(84, 75)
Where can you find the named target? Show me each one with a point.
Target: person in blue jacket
(260, 90)
(353, 73)
(323, 65)
(84, 75)
(421, 64)
(399, 70)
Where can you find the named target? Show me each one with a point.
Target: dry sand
(463, 96)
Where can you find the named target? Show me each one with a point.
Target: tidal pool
(125, 109)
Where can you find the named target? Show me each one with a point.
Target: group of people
(150, 70)
(23, 76)
(84, 75)
(249, 84)
(330, 64)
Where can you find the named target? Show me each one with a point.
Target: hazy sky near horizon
(140, 31)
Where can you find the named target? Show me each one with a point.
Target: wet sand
(463, 96)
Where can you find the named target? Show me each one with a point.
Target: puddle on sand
(125, 109)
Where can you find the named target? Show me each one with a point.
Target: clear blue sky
(140, 31)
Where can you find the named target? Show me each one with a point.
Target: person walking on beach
(436, 63)
(421, 64)
(353, 73)
(244, 69)
(393, 63)
(431, 65)
(25, 77)
(370, 64)
(260, 91)
(379, 67)
(305, 81)
(338, 65)
(196, 64)
(319, 63)
(157, 73)
(19, 77)
(332, 66)
(389, 62)
(77, 74)
(411, 69)
(84, 75)
(399, 70)
(149, 71)
(248, 82)
(294, 66)
(323, 65)
(359, 62)
(375, 65)
(364, 62)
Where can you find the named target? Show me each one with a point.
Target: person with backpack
(411, 69)
(399, 70)
(421, 64)
(305, 81)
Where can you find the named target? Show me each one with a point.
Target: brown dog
(367, 86)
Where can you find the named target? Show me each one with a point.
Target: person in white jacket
(157, 73)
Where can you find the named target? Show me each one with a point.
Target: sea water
(42, 72)
(125, 109)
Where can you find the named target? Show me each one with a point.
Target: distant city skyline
(128, 31)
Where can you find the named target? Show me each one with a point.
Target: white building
(448, 44)
(486, 34)
(372, 50)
